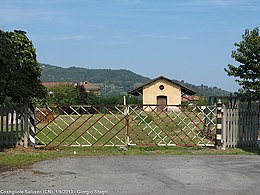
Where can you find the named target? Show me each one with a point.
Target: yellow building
(162, 92)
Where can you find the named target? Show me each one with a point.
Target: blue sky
(188, 40)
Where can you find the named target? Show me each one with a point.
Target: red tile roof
(190, 98)
(88, 86)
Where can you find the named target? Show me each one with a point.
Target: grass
(17, 158)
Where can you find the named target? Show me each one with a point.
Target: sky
(188, 40)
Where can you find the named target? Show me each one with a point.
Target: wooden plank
(2, 131)
(6, 130)
(16, 127)
(241, 129)
(232, 125)
(251, 129)
(236, 127)
(255, 131)
(11, 142)
(248, 128)
(22, 129)
(245, 128)
(257, 126)
(254, 124)
(229, 137)
(25, 129)
(231, 130)
(224, 132)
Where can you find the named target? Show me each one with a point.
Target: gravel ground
(239, 174)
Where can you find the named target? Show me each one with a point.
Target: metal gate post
(219, 127)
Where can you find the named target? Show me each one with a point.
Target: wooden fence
(240, 128)
(14, 126)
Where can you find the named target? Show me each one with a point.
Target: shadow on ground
(1, 149)
(255, 150)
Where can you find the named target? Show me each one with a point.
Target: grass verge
(17, 158)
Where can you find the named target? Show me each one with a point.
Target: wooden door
(161, 102)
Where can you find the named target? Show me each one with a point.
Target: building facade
(162, 92)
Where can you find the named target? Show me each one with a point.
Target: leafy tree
(202, 101)
(63, 95)
(19, 70)
(92, 99)
(248, 55)
(119, 99)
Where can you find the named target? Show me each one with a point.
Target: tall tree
(19, 70)
(248, 55)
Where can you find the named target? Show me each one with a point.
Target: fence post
(224, 127)
(126, 114)
(219, 127)
(25, 126)
(32, 126)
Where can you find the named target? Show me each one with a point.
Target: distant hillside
(206, 91)
(113, 82)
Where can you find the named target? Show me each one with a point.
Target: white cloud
(153, 36)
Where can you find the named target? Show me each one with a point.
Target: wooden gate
(14, 126)
(240, 128)
(141, 125)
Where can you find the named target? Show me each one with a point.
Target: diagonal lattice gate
(176, 125)
(142, 125)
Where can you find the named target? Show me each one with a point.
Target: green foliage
(201, 102)
(248, 55)
(119, 99)
(63, 95)
(19, 70)
(91, 99)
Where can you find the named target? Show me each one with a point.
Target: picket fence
(240, 128)
(14, 126)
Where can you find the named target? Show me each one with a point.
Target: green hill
(113, 82)
(206, 91)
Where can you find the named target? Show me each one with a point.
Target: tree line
(64, 95)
